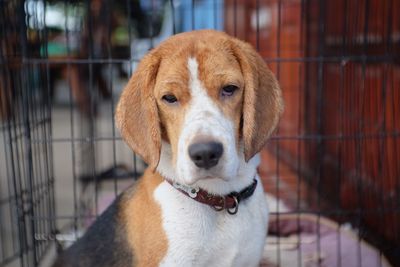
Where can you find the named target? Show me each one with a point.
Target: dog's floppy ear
(137, 114)
(262, 104)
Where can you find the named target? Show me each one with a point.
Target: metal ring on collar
(234, 210)
(219, 208)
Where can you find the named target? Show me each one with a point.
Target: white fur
(198, 235)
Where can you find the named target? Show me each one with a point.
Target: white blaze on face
(205, 120)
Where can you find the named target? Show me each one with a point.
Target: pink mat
(306, 240)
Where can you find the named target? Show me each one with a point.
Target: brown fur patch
(137, 114)
(173, 78)
(262, 103)
(143, 221)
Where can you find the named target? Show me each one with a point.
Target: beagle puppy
(198, 109)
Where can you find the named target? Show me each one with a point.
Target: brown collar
(229, 202)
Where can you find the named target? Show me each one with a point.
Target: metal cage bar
(63, 64)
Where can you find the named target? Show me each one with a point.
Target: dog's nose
(205, 155)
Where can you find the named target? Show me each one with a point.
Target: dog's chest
(199, 236)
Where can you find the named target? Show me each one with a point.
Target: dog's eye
(228, 90)
(170, 98)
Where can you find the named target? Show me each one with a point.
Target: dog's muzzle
(205, 155)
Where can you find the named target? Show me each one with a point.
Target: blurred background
(331, 170)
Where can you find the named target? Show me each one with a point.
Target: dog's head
(199, 106)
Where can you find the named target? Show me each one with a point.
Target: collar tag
(191, 191)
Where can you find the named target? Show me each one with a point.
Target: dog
(198, 109)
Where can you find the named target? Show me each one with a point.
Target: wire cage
(331, 170)
(27, 175)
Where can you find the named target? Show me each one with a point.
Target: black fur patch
(104, 244)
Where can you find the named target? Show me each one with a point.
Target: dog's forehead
(213, 62)
(173, 68)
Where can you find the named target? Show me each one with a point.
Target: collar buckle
(190, 191)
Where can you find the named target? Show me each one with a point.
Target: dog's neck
(244, 177)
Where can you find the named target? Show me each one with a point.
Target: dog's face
(200, 105)
(203, 102)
